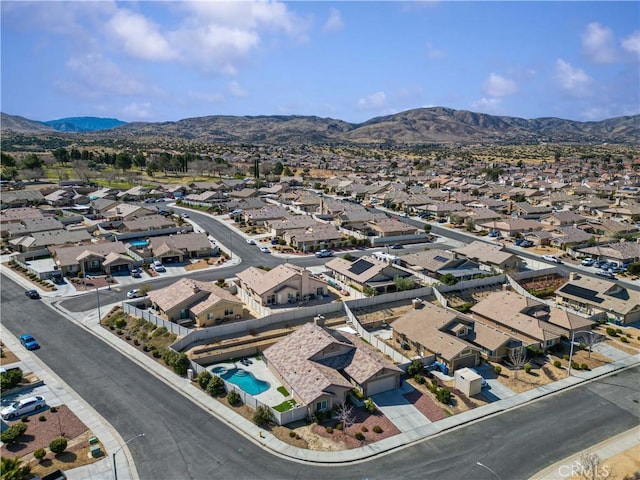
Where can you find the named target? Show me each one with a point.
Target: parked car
(551, 258)
(587, 262)
(29, 342)
(606, 274)
(275, 241)
(396, 246)
(135, 293)
(324, 253)
(251, 241)
(22, 407)
(526, 244)
(265, 250)
(149, 200)
(136, 273)
(518, 242)
(32, 294)
(185, 215)
(158, 267)
(599, 263)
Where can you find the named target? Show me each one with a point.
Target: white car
(251, 241)
(22, 407)
(551, 258)
(134, 293)
(265, 250)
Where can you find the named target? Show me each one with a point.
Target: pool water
(139, 243)
(246, 381)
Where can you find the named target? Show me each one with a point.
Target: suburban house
(522, 318)
(621, 252)
(436, 263)
(17, 215)
(126, 211)
(367, 271)
(317, 236)
(510, 227)
(284, 284)
(599, 297)
(26, 226)
(205, 303)
(290, 222)
(489, 257)
(320, 366)
(96, 258)
(429, 330)
(179, 248)
(391, 227)
(46, 239)
(259, 216)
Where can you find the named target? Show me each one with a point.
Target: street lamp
(98, 299)
(484, 466)
(573, 337)
(115, 470)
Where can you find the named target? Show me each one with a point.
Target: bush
(13, 433)
(178, 361)
(234, 399)
(159, 331)
(612, 332)
(419, 379)
(565, 358)
(120, 322)
(292, 434)
(10, 379)
(584, 366)
(53, 409)
(444, 395)
(360, 436)
(377, 429)
(369, 405)
(215, 386)
(203, 379)
(575, 365)
(329, 429)
(39, 454)
(557, 364)
(58, 445)
(364, 429)
(25, 419)
(497, 369)
(624, 340)
(527, 368)
(416, 367)
(262, 415)
(339, 426)
(42, 418)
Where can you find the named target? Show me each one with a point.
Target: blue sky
(163, 61)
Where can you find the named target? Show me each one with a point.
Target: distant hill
(21, 124)
(412, 127)
(83, 124)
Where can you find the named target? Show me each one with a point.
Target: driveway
(399, 410)
(494, 390)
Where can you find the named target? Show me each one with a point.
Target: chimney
(416, 303)
(506, 287)
(319, 320)
(573, 276)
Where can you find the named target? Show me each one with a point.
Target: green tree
(278, 168)
(7, 160)
(12, 469)
(262, 415)
(32, 162)
(124, 161)
(287, 172)
(139, 160)
(403, 283)
(203, 379)
(152, 167)
(58, 445)
(448, 279)
(61, 155)
(416, 367)
(215, 386)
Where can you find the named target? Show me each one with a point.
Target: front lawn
(284, 406)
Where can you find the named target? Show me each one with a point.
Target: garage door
(381, 385)
(469, 361)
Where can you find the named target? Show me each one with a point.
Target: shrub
(369, 405)
(377, 429)
(120, 322)
(58, 445)
(13, 433)
(624, 340)
(203, 379)
(215, 386)
(25, 419)
(565, 357)
(159, 331)
(156, 354)
(612, 332)
(364, 429)
(360, 436)
(42, 418)
(443, 395)
(136, 342)
(584, 366)
(329, 429)
(10, 379)
(575, 365)
(178, 361)
(119, 332)
(419, 379)
(233, 398)
(628, 335)
(262, 415)
(527, 368)
(339, 426)
(53, 409)
(619, 331)
(497, 369)
(39, 454)
(557, 364)
(416, 367)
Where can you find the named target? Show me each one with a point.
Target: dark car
(32, 294)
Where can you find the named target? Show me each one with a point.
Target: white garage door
(381, 385)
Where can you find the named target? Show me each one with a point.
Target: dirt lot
(39, 433)
(632, 344)
(625, 463)
(8, 357)
(204, 263)
(388, 313)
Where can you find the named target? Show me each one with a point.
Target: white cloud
(632, 42)
(138, 111)
(598, 43)
(94, 76)
(573, 80)
(334, 22)
(433, 52)
(139, 37)
(236, 90)
(487, 105)
(374, 101)
(497, 86)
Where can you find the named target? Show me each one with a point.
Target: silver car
(22, 407)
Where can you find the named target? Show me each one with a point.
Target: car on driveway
(135, 293)
(22, 407)
(29, 342)
(265, 250)
(136, 273)
(587, 262)
(32, 294)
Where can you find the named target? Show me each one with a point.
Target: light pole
(115, 470)
(573, 337)
(98, 299)
(484, 466)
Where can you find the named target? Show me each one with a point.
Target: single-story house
(92, 258)
(178, 248)
(489, 257)
(367, 271)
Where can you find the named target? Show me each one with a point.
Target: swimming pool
(246, 381)
(139, 243)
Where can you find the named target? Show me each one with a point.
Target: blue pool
(139, 243)
(245, 380)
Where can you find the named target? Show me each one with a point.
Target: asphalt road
(183, 442)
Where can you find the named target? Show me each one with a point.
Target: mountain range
(411, 127)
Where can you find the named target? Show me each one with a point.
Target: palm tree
(11, 469)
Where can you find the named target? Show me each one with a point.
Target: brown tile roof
(187, 242)
(261, 281)
(187, 289)
(66, 256)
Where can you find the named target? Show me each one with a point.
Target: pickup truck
(324, 253)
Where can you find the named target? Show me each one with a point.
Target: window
(228, 311)
(321, 406)
(209, 316)
(319, 291)
(271, 300)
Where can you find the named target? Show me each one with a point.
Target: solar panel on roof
(582, 292)
(360, 266)
(440, 258)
